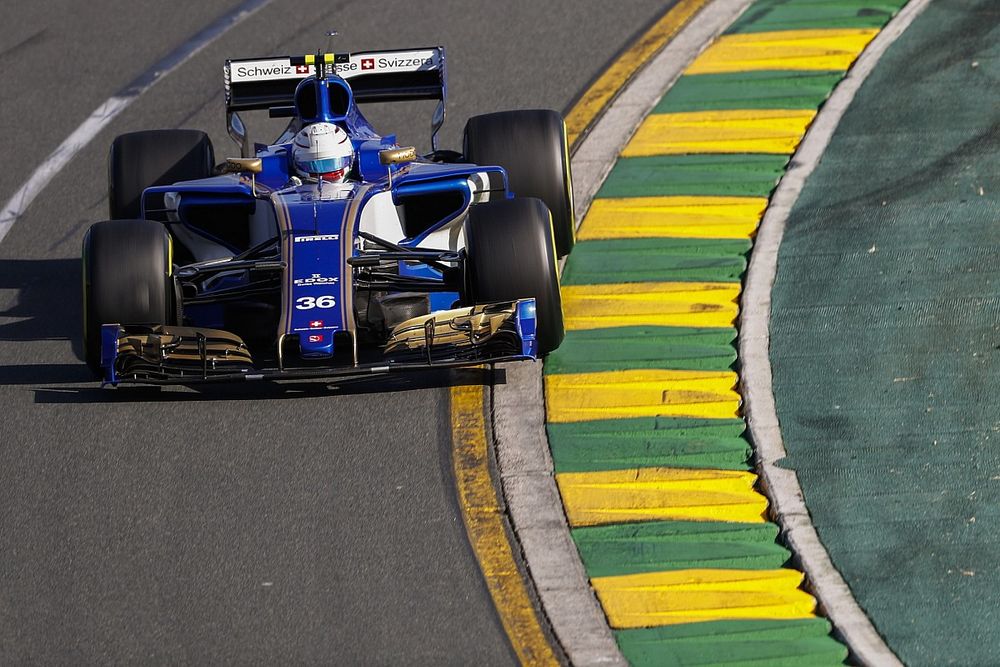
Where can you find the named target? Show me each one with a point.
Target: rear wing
(374, 76)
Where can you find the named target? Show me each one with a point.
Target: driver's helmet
(323, 151)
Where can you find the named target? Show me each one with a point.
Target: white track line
(113, 106)
(783, 488)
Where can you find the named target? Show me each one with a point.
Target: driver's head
(323, 150)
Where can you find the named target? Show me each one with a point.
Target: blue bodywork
(309, 287)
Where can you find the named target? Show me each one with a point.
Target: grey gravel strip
(523, 459)
(536, 515)
(787, 502)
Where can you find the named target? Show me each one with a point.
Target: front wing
(161, 354)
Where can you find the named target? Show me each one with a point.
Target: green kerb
(678, 348)
(792, 642)
(678, 545)
(749, 90)
(695, 175)
(772, 15)
(656, 260)
(622, 444)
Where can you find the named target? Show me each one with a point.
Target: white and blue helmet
(323, 150)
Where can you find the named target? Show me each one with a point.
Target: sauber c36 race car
(286, 262)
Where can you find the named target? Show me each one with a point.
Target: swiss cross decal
(367, 63)
(316, 324)
(302, 69)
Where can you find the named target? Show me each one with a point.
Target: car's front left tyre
(140, 160)
(511, 255)
(531, 146)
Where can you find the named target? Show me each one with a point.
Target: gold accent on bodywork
(459, 327)
(179, 345)
(397, 155)
(243, 165)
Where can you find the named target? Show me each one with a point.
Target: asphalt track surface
(257, 523)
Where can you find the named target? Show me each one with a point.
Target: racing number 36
(308, 302)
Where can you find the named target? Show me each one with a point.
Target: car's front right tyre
(127, 279)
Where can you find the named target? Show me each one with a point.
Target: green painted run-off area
(885, 340)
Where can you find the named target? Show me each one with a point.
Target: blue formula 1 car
(333, 251)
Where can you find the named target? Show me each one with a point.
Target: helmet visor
(324, 166)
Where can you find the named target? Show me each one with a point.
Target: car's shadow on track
(48, 300)
(432, 379)
(47, 308)
(19, 374)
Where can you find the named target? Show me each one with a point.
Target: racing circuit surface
(250, 523)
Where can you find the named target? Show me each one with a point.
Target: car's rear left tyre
(127, 279)
(140, 160)
(511, 255)
(531, 146)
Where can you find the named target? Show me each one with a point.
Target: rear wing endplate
(374, 76)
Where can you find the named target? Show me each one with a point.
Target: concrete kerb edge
(782, 485)
(524, 462)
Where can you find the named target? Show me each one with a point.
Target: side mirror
(238, 131)
(397, 155)
(437, 120)
(243, 165)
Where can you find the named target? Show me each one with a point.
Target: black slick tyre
(127, 279)
(511, 256)
(531, 146)
(140, 160)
